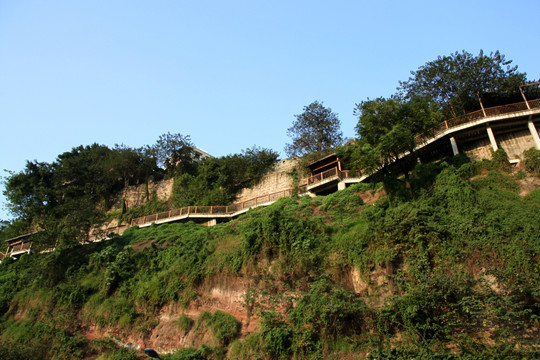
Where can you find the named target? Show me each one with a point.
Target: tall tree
(30, 193)
(387, 130)
(456, 80)
(70, 196)
(174, 153)
(316, 130)
(218, 180)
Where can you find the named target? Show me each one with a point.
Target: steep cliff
(452, 272)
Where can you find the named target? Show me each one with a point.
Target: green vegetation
(437, 260)
(456, 80)
(532, 161)
(387, 129)
(71, 196)
(314, 132)
(452, 272)
(218, 180)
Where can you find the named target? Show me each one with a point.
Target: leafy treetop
(316, 130)
(456, 80)
(387, 129)
(174, 152)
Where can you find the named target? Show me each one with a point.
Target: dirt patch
(374, 290)
(141, 245)
(369, 198)
(528, 184)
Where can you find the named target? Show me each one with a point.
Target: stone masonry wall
(516, 143)
(276, 180)
(478, 150)
(136, 194)
(513, 143)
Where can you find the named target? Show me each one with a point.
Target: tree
(316, 130)
(218, 180)
(69, 197)
(174, 153)
(132, 165)
(30, 192)
(456, 80)
(387, 129)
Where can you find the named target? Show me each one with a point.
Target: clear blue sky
(231, 74)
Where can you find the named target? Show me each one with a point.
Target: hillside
(451, 272)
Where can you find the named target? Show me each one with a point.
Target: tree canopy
(456, 80)
(69, 196)
(174, 152)
(218, 180)
(387, 129)
(316, 130)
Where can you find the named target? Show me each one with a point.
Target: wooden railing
(211, 210)
(328, 174)
(20, 247)
(15, 249)
(476, 115)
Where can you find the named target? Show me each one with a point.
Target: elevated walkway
(209, 214)
(332, 180)
(18, 246)
(332, 177)
(335, 179)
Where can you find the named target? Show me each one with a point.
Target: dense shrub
(224, 326)
(456, 264)
(531, 160)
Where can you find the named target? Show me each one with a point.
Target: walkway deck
(334, 176)
(210, 212)
(330, 177)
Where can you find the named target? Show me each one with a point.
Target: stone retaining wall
(136, 195)
(276, 180)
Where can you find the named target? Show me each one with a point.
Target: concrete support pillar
(492, 139)
(341, 185)
(534, 134)
(455, 149)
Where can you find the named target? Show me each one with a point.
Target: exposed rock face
(136, 195)
(276, 180)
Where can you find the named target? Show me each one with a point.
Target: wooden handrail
(341, 174)
(475, 115)
(210, 210)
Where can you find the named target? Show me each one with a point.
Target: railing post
(481, 105)
(524, 98)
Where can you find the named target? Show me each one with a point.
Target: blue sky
(231, 74)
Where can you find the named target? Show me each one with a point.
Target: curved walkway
(446, 128)
(211, 214)
(479, 117)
